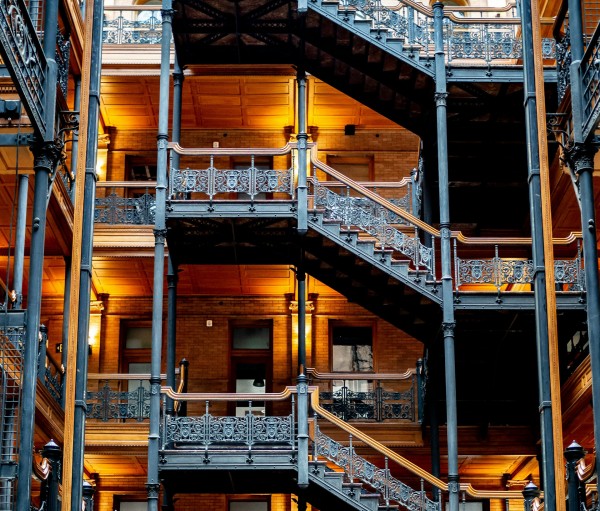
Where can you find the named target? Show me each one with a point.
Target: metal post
(88, 491)
(541, 260)
(54, 454)
(573, 454)
(160, 234)
(85, 279)
(171, 331)
(448, 323)
(302, 138)
(302, 384)
(20, 240)
(42, 352)
(530, 492)
(45, 158)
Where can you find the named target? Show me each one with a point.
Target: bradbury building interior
(272, 255)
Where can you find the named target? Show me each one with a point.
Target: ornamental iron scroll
(374, 219)
(378, 478)
(251, 181)
(22, 53)
(249, 430)
(590, 84)
(115, 210)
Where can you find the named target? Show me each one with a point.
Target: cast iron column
(45, 158)
(530, 492)
(539, 263)
(160, 234)
(20, 241)
(302, 138)
(172, 270)
(448, 323)
(302, 384)
(85, 270)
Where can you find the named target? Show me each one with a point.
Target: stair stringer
(415, 281)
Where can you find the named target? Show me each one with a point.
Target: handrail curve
(409, 373)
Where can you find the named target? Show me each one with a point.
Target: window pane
(138, 338)
(352, 349)
(251, 338)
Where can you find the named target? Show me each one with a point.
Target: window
(352, 348)
(136, 353)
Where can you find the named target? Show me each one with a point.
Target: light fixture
(258, 382)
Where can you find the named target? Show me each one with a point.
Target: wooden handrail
(122, 376)
(409, 373)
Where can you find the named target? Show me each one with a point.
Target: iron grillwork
(109, 403)
(115, 209)
(129, 26)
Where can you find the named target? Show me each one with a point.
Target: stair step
(384, 256)
(370, 501)
(366, 247)
(350, 236)
(334, 479)
(389, 507)
(352, 490)
(332, 226)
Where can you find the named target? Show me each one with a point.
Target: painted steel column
(20, 240)
(88, 491)
(302, 137)
(160, 234)
(45, 158)
(85, 269)
(448, 323)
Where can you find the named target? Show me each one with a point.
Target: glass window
(138, 338)
(251, 338)
(352, 348)
(248, 505)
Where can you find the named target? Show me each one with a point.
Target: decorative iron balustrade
(374, 219)
(499, 272)
(114, 209)
(362, 396)
(249, 430)
(110, 403)
(252, 181)
(378, 478)
(590, 85)
(132, 26)
(488, 40)
(377, 404)
(562, 37)
(24, 57)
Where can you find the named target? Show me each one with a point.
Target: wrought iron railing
(487, 35)
(355, 466)
(127, 203)
(502, 272)
(252, 429)
(124, 397)
(590, 85)
(132, 25)
(53, 378)
(431, 493)
(370, 397)
(249, 430)
(217, 180)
